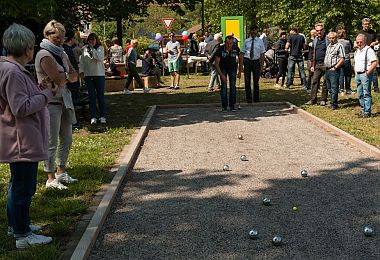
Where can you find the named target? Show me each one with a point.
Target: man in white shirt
(254, 50)
(173, 49)
(365, 64)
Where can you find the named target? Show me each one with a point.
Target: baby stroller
(270, 68)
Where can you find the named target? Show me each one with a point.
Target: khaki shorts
(173, 65)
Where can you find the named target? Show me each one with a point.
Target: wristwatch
(66, 75)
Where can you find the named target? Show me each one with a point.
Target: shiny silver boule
(277, 240)
(253, 234)
(240, 137)
(226, 167)
(243, 158)
(266, 201)
(304, 173)
(369, 231)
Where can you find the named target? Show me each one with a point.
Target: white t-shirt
(173, 49)
(202, 47)
(360, 58)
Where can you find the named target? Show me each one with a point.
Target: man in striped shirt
(334, 59)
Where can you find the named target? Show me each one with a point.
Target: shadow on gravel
(206, 215)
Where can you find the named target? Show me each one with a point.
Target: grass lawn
(96, 149)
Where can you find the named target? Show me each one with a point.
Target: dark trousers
(252, 66)
(95, 86)
(22, 187)
(319, 72)
(231, 74)
(309, 74)
(133, 73)
(282, 65)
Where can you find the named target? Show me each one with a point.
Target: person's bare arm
(240, 69)
(371, 68)
(217, 67)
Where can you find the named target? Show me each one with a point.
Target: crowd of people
(36, 118)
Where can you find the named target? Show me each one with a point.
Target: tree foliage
(301, 13)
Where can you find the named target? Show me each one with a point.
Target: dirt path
(177, 203)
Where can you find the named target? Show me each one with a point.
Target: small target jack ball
(240, 137)
(294, 209)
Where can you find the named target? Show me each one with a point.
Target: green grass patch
(96, 149)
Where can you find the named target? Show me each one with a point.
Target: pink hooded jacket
(24, 118)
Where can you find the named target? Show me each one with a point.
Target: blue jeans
(345, 73)
(22, 187)
(95, 86)
(332, 84)
(375, 80)
(223, 93)
(364, 92)
(292, 61)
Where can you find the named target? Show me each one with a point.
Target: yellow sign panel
(233, 26)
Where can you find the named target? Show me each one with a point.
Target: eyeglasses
(319, 30)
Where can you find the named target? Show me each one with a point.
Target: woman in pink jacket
(24, 131)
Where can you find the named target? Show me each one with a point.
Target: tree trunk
(119, 30)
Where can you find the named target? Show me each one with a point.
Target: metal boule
(277, 240)
(243, 157)
(253, 234)
(266, 201)
(369, 231)
(304, 173)
(240, 137)
(226, 167)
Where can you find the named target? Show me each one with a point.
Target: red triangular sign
(167, 22)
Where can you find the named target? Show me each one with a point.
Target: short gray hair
(366, 20)
(17, 39)
(361, 35)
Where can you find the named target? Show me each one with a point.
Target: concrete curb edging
(89, 236)
(368, 149)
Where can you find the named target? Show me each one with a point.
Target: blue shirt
(259, 48)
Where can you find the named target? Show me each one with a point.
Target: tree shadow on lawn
(205, 214)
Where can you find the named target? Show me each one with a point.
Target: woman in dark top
(282, 58)
(193, 45)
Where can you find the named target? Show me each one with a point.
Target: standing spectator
(208, 37)
(116, 52)
(24, 131)
(193, 45)
(149, 66)
(282, 59)
(91, 68)
(253, 63)
(365, 64)
(226, 65)
(345, 72)
(51, 61)
(319, 51)
(372, 40)
(128, 45)
(131, 60)
(334, 60)
(210, 51)
(264, 37)
(78, 51)
(74, 87)
(296, 43)
(173, 49)
(313, 34)
(202, 48)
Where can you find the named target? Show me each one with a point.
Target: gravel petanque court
(178, 203)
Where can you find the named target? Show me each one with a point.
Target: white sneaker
(127, 92)
(93, 121)
(33, 228)
(64, 177)
(55, 184)
(103, 120)
(147, 90)
(32, 240)
(176, 87)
